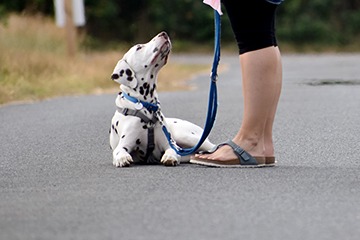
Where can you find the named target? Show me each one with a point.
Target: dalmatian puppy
(136, 134)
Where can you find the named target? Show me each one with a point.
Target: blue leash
(213, 103)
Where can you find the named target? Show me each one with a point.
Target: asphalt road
(57, 180)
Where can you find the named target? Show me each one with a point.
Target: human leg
(261, 77)
(268, 136)
(260, 90)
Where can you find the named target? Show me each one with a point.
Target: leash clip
(138, 105)
(213, 77)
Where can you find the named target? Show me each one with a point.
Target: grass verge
(34, 64)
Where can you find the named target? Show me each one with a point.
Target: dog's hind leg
(187, 134)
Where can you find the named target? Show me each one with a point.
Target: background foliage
(300, 22)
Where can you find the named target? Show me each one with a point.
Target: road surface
(57, 180)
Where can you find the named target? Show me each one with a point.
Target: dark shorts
(253, 23)
(275, 1)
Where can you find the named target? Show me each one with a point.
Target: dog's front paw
(122, 160)
(170, 158)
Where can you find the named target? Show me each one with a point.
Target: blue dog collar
(139, 104)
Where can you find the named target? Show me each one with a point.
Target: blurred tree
(330, 22)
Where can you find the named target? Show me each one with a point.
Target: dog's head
(142, 62)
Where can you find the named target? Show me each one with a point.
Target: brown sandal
(244, 159)
(270, 161)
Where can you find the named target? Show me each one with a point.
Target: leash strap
(213, 102)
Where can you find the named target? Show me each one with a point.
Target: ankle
(269, 152)
(269, 148)
(252, 144)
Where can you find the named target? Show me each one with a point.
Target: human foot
(269, 153)
(228, 154)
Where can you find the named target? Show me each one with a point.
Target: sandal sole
(270, 161)
(213, 164)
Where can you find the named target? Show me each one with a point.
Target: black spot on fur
(117, 123)
(156, 65)
(142, 91)
(116, 131)
(125, 149)
(175, 121)
(122, 136)
(144, 127)
(130, 79)
(152, 76)
(151, 92)
(112, 126)
(122, 73)
(128, 72)
(114, 76)
(192, 133)
(155, 50)
(138, 48)
(145, 66)
(138, 141)
(142, 79)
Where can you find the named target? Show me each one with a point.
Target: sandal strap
(244, 157)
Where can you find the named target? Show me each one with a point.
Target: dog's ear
(123, 74)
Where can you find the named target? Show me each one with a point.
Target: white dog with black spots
(136, 134)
